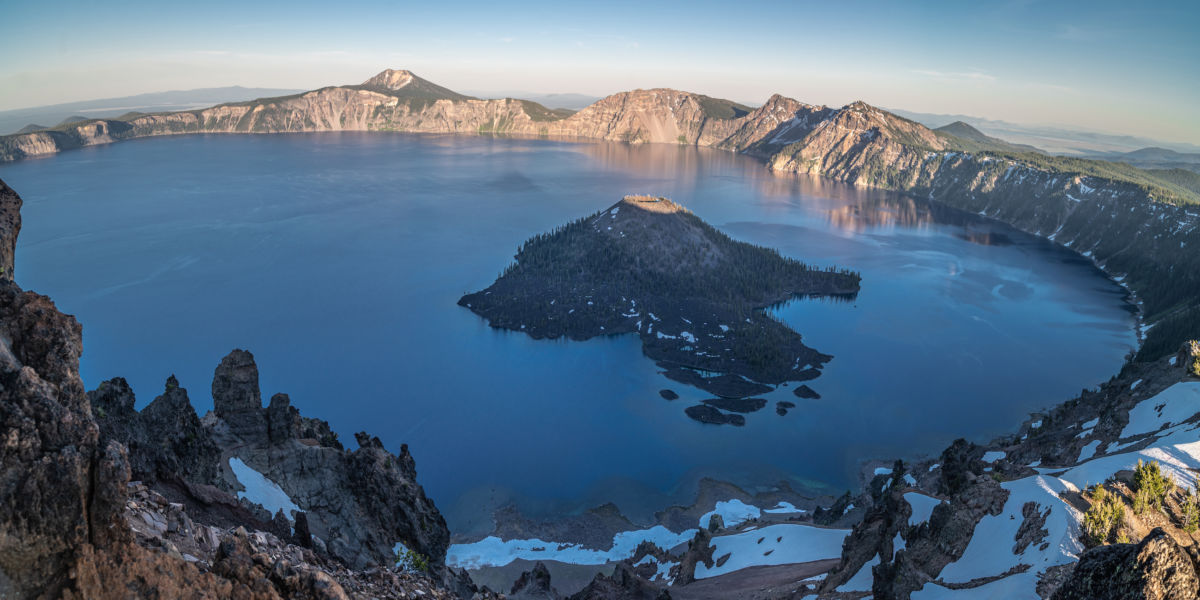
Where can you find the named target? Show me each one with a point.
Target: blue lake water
(338, 259)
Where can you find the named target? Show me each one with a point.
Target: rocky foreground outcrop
(72, 525)
(1157, 568)
(365, 500)
(10, 226)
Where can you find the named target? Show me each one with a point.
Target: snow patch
(784, 508)
(494, 552)
(260, 490)
(1089, 450)
(786, 543)
(862, 580)
(922, 507)
(1172, 405)
(733, 512)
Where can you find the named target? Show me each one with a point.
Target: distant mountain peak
(962, 129)
(406, 84)
(391, 79)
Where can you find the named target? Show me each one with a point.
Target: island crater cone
(695, 297)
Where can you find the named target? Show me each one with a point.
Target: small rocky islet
(693, 295)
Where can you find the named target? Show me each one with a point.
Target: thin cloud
(955, 75)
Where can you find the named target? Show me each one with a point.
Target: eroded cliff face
(647, 116)
(10, 226)
(69, 527)
(400, 101)
(62, 493)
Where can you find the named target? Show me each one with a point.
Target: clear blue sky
(1126, 67)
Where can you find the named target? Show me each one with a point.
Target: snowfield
(991, 550)
(494, 552)
(773, 545)
(733, 513)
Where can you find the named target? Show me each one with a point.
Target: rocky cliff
(72, 525)
(1136, 225)
(1107, 212)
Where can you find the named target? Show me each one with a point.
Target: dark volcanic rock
(742, 405)
(593, 528)
(725, 386)
(236, 398)
(808, 374)
(283, 420)
(534, 584)
(360, 503)
(62, 493)
(50, 453)
(623, 584)
(182, 447)
(699, 551)
(10, 226)
(65, 490)
(668, 394)
(707, 414)
(803, 391)
(1157, 568)
(166, 440)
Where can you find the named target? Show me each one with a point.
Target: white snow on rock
(1092, 423)
(862, 580)
(883, 471)
(1172, 405)
(922, 506)
(260, 490)
(1133, 386)
(494, 552)
(993, 456)
(787, 544)
(1177, 452)
(733, 513)
(986, 555)
(687, 336)
(784, 508)
(910, 480)
(1089, 450)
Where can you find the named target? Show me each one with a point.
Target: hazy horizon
(1102, 67)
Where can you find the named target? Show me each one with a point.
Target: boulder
(1157, 568)
(534, 584)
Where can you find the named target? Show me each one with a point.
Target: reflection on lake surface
(338, 259)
